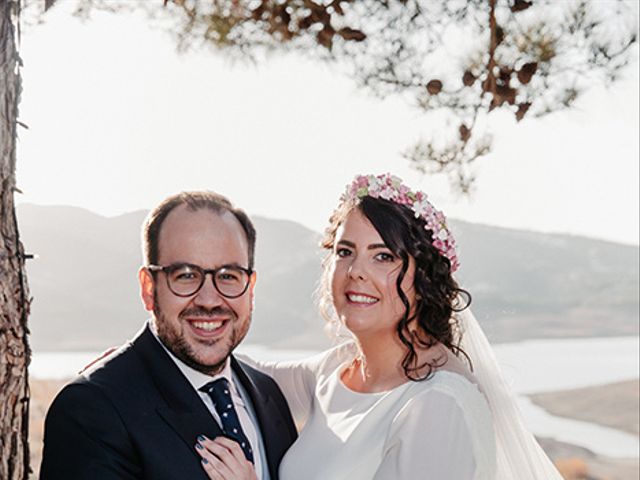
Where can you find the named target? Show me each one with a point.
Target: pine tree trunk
(14, 298)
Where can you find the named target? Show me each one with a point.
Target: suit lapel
(179, 405)
(270, 422)
(188, 425)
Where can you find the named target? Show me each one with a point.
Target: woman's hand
(223, 459)
(104, 354)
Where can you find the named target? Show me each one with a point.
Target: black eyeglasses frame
(167, 269)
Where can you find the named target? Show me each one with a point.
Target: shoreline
(579, 463)
(615, 405)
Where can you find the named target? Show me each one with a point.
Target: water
(529, 367)
(602, 440)
(550, 365)
(62, 365)
(536, 366)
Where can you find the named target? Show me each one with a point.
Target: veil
(518, 454)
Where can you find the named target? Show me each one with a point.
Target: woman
(398, 401)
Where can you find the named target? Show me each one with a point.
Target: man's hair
(200, 200)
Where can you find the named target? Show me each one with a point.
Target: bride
(416, 393)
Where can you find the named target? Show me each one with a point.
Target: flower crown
(390, 187)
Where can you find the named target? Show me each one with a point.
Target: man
(140, 412)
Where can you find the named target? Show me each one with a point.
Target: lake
(529, 367)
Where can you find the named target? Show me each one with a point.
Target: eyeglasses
(184, 279)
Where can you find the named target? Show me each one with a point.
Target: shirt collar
(198, 379)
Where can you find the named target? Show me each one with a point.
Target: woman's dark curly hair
(438, 296)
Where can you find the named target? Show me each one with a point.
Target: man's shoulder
(120, 372)
(116, 358)
(94, 382)
(113, 367)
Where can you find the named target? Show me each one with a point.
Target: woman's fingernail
(199, 447)
(201, 438)
(205, 461)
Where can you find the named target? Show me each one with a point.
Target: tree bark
(14, 297)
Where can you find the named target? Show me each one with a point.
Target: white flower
(387, 192)
(443, 234)
(374, 187)
(422, 208)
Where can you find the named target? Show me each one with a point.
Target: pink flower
(391, 188)
(387, 192)
(361, 181)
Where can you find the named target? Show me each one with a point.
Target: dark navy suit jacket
(136, 416)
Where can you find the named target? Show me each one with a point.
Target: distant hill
(524, 284)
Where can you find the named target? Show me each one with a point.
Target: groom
(138, 413)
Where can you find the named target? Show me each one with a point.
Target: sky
(118, 120)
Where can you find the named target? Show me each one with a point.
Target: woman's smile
(364, 278)
(361, 299)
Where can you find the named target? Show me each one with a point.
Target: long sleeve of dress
(297, 379)
(433, 438)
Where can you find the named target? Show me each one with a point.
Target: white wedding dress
(443, 428)
(439, 429)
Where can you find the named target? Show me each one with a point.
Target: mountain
(524, 284)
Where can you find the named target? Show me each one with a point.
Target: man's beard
(179, 347)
